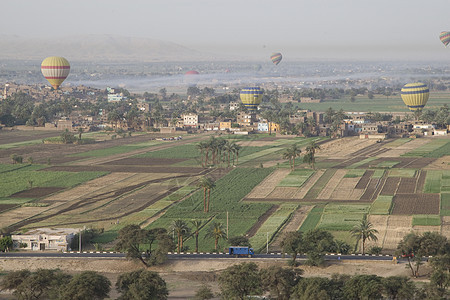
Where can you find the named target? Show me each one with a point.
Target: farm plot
(380, 223)
(346, 190)
(426, 220)
(342, 217)
(332, 184)
(402, 173)
(390, 186)
(272, 225)
(14, 216)
(147, 161)
(364, 180)
(283, 193)
(37, 192)
(381, 206)
(268, 184)
(320, 184)
(445, 204)
(433, 182)
(445, 226)
(342, 148)
(301, 192)
(426, 149)
(407, 185)
(397, 227)
(296, 178)
(416, 204)
(312, 219)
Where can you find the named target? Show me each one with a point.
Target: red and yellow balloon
(55, 69)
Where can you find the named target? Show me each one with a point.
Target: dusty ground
(184, 277)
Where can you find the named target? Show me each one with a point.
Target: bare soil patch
(364, 180)
(4, 207)
(445, 226)
(407, 185)
(416, 204)
(421, 181)
(346, 190)
(370, 190)
(283, 193)
(390, 186)
(397, 228)
(380, 223)
(37, 192)
(343, 148)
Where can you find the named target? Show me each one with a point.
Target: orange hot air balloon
(55, 69)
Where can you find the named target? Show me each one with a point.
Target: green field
(433, 182)
(378, 104)
(272, 225)
(434, 148)
(19, 180)
(426, 220)
(353, 173)
(116, 150)
(225, 197)
(402, 173)
(381, 206)
(445, 204)
(312, 219)
(296, 178)
(342, 216)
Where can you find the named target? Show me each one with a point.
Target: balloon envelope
(251, 97)
(445, 37)
(415, 95)
(276, 58)
(55, 69)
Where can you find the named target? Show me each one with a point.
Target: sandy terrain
(343, 148)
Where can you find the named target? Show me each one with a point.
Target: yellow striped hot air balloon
(415, 95)
(251, 97)
(55, 69)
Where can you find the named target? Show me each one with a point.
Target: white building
(58, 239)
(190, 120)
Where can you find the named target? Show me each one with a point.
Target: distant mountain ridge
(96, 47)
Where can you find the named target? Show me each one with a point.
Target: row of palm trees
(182, 230)
(294, 151)
(216, 151)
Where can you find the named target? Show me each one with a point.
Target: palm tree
(80, 131)
(207, 184)
(180, 227)
(364, 232)
(197, 226)
(203, 148)
(310, 153)
(228, 148)
(291, 153)
(216, 231)
(236, 149)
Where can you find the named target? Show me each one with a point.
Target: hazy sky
(302, 29)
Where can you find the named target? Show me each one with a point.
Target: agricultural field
(401, 184)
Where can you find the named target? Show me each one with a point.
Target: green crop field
(272, 225)
(342, 216)
(378, 104)
(353, 173)
(426, 220)
(312, 219)
(296, 178)
(381, 206)
(433, 182)
(378, 173)
(397, 142)
(320, 184)
(387, 164)
(180, 151)
(445, 204)
(19, 180)
(402, 173)
(360, 163)
(439, 152)
(225, 197)
(430, 149)
(116, 150)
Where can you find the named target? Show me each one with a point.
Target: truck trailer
(238, 251)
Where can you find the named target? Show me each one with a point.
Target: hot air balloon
(55, 69)
(276, 58)
(445, 37)
(191, 77)
(415, 95)
(251, 97)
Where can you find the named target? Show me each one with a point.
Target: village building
(58, 239)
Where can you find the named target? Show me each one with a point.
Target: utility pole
(79, 241)
(267, 243)
(227, 224)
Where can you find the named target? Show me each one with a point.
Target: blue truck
(239, 251)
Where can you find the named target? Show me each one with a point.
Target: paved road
(108, 255)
